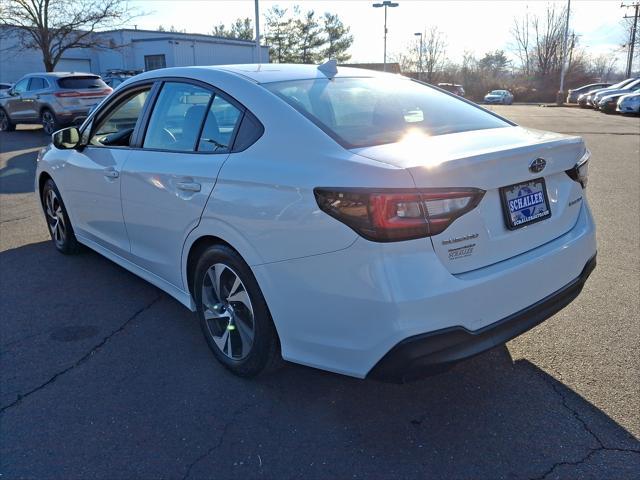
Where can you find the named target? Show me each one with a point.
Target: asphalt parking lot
(104, 376)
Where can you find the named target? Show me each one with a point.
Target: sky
(474, 26)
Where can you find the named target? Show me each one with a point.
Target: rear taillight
(391, 216)
(74, 93)
(580, 172)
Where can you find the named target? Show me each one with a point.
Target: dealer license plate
(525, 203)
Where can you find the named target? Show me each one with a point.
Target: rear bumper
(345, 311)
(435, 351)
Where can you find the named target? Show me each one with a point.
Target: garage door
(74, 65)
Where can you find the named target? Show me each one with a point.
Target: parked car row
(622, 97)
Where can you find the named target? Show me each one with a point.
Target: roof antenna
(329, 68)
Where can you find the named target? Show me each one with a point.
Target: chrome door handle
(110, 173)
(189, 186)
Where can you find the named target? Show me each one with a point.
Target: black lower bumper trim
(434, 352)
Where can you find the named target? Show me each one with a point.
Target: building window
(153, 62)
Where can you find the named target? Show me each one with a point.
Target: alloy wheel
(55, 217)
(48, 122)
(228, 312)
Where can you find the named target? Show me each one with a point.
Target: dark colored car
(453, 88)
(113, 78)
(53, 99)
(574, 93)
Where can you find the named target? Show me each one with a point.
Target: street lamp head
(377, 5)
(418, 34)
(386, 3)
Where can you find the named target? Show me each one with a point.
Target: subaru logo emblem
(537, 165)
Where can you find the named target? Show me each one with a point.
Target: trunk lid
(489, 160)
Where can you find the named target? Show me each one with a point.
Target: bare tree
(603, 66)
(538, 41)
(55, 26)
(434, 52)
(549, 34)
(522, 48)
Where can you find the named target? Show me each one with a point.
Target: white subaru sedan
(358, 222)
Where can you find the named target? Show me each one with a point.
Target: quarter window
(116, 128)
(219, 127)
(177, 117)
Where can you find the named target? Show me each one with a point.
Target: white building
(131, 50)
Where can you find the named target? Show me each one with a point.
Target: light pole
(563, 69)
(419, 34)
(385, 4)
(258, 49)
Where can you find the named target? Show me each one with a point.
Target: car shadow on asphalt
(488, 417)
(18, 174)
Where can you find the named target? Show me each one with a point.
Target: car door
(167, 181)
(31, 98)
(15, 105)
(91, 175)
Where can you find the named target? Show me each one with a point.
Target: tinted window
(37, 83)
(249, 132)
(177, 117)
(360, 112)
(81, 82)
(21, 86)
(116, 128)
(217, 133)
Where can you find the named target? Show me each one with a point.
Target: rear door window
(177, 117)
(37, 83)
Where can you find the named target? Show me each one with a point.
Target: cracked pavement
(103, 376)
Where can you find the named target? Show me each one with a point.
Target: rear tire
(6, 125)
(58, 221)
(49, 122)
(233, 314)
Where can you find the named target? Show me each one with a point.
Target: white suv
(353, 221)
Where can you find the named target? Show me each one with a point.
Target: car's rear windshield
(362, 112)
(81, 82)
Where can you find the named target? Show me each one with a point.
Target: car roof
(278, 72)
(61, 74)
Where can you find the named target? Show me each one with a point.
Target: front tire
(58, 221)
(6, 125)
(49, 122)
(233, 314)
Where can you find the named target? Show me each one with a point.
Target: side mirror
(13, 93)
(66, 139)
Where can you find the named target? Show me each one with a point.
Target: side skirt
(177, 293)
